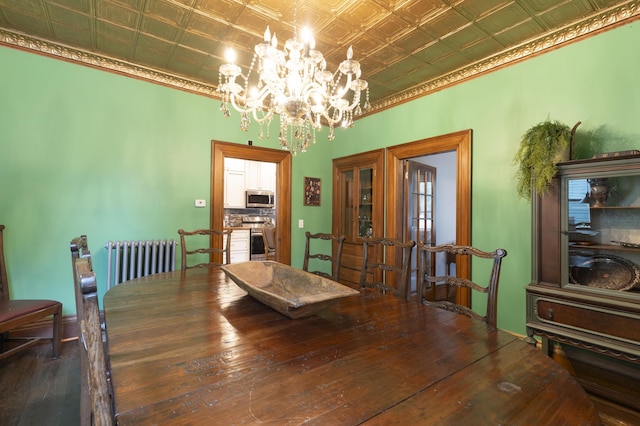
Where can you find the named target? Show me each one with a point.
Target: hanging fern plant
(541, 148)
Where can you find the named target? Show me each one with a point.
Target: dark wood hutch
(585, 289)
(358, 208)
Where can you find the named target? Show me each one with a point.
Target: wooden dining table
(190, 347)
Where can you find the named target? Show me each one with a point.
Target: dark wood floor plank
(243, 363)
(478, 405)
(38, 390)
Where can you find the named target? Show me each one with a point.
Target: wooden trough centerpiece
(290, 291)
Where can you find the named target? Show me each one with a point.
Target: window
(579, 209)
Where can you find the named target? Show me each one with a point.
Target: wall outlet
(201, 203)
(300, 223)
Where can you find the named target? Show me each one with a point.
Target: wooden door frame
(460, 142)
(221, 150)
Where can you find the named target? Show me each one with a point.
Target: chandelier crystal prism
(294, 84)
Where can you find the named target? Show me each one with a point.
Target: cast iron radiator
(127, 260)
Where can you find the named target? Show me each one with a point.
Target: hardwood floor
(38, 390)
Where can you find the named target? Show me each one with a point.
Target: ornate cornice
(606, 20)
(44, 47)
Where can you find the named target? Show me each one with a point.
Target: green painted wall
(85, 151)
(595, 81)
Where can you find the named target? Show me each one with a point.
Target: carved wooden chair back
(386, 265)
(17, 313)
(430, 256)
(217, 246)
(269, 239)
(80, 249)
(92, 348)
(335, 258)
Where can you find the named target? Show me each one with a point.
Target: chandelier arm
(356, 100)
(313, 88)
(262, 94)
(330, 120)
(345, 90)
(268, 116)
(232, 99)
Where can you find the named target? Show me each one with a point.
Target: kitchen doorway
(282, 159)
(459, 144)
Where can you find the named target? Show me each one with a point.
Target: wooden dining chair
(429, 257)
(92, 349)
(18, 313)
(334, 259)
(386, 264)
(269, 239)
(80, 249)
(217, 246)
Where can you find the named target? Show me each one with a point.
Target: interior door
(419, 217)
(459, 144)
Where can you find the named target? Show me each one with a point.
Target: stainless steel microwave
(260, 198)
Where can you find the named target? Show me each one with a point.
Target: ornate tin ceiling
(407, 48)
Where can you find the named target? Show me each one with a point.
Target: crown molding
(44, 47)
(606, 20)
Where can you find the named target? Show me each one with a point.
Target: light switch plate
(201, 203)
(300, 223)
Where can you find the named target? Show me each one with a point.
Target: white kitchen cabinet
(260, 175)
(234, 183)
(240, 245)
(240, 175)
(235, 164)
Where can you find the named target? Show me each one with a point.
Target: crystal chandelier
(294, 84)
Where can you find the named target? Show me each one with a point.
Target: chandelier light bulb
(230, 55)
(306, 35)
(307, 39)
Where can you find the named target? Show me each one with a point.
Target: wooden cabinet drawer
(584, 317)
(239, 243)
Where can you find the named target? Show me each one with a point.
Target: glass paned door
(348, 206)
(356, 199)
(602, 242)
(365, 203)
(420, 218)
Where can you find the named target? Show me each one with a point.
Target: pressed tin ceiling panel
(407, 48)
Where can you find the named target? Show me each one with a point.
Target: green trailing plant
(541, 148)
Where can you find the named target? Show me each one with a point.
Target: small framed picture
(312, 191)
